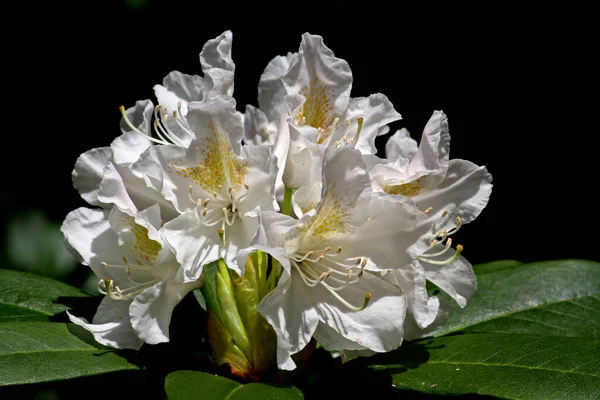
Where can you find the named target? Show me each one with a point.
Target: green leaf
(32, 352)
(195, 384)
(559, 298)
(507, 365)
(26, 297)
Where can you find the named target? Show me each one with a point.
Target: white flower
(330, 287)
(451, 193)
(103, 176)
(215, 183)
(317, 85)
(136, 273)
(179, 89)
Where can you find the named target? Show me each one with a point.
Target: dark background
(516, 84)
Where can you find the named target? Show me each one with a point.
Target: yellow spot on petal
(331, 219)
(145, 247)
(409, 189)
(219, 167)
(317, 110)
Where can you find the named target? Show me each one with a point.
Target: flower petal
(87, 173)
(392, 237)
(457, 279)
(271, 91)
(411, 279)
(289, 311)
(345, 195)
(260, 178)
(128, 147)
(111, 325)
(193, 243)
(217, 64)
(379, 327)
(306, 198)
(434, 150)
(377, 111)
(324, 80)
(401, 146)
(151, 310)
(464, 192)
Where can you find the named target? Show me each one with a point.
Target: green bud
(238, 335)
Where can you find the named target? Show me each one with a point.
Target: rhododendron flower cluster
(284, 218)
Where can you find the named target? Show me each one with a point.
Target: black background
(516, 83)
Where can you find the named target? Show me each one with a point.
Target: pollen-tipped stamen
(426, 259)
(136, 130)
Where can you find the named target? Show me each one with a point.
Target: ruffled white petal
(217, 64)
(377, 111)
(378, 327)
(127, 148)
(400, 145)
(434, 150)
(193, 243)
(315, 72)
(260, 178)
(411, 279)
(87, 173)
(306, 198)
(289, 311)
(111, 326)
(464, 192)
(457, 279)
(151, 310)
(271, 91)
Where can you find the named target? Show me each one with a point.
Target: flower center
(220, 210)
(108, 287)
(323, 267)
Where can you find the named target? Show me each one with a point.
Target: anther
(339, 249)
(246, 186)
(428, 210)
(445, 213)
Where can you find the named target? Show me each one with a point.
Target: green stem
(286, 207)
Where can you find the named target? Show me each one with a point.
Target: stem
(286, 207)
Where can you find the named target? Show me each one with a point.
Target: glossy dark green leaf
(506, 365)
(26, 297)
(196, 384)
(559, 298)
(35, 351)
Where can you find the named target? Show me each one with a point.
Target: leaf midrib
(93, 349)
(465, 327)
(458, 363)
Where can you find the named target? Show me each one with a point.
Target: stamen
(136, 130)
(459, 250)
(447, 246)
(360, 124)
(344, 302)
(158, 128)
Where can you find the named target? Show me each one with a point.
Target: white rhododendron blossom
(216, 184)
(338, 242)
(329, 256)
(136, 272)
